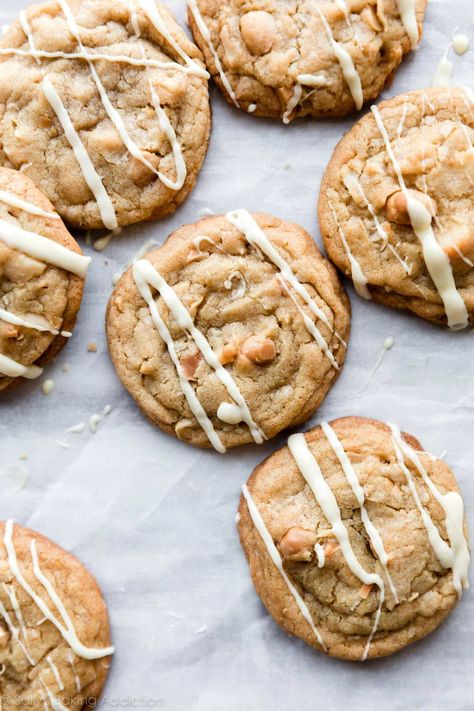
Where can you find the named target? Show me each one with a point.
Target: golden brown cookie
(355, 538)
(233, 330)
(42, 273)
(54, 629)
(104, 104)
(315, 57)
(396, 205)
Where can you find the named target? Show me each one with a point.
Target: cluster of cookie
(237, 327)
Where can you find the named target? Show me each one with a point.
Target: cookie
(42, 273)
(355, 538)
(319, 58)
(54, 630)
(104, 104)
(396, 206)
(233, 330)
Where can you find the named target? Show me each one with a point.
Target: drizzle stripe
(407, 12)
(311, 472)
(42, 248)
(151, 275)
(264, 533)
(193, 402)
(437, 262)
(12, 369)
(15, 201)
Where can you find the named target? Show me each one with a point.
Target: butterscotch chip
(41, 666)
(256, 328)
(146, 167)
(416, 147)
(286, 59)
(346, 581)
(46, 298)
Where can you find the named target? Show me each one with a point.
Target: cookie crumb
(92, 347)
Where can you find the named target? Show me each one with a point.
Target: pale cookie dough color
(396, 206)
(315, 57)
(356, 538)
(104, 104)
(42, 275)
(54, 629)
(232, 331)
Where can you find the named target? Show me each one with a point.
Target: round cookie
(104, 104)
(54, 629)
(246, 342)
(338, 550)
(396, 206)
(42, 273)
(314, 57)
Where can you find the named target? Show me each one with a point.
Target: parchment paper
(153, 518)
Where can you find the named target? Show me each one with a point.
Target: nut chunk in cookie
(232, 331)
(286, 59)
(42, 275)
(104, 104)
(396, 206)
(54, 629)
(355, 538)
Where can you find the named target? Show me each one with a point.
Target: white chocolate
(204, 30)
(437, 262)
(293, 102)
(444, 73)
(461, 44)
(65, 627)
(15, 201)
(42, 248)
(309, 468)
(358, 276)
(407, 10)
(455, 555)
(143, 270)
(264, 533)
(141, 281)
(92, 178)
(350, 73)
(12, 369)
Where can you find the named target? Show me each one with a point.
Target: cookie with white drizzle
(315, 57)
(54, 629)
(112, 100)
(396, 205)
(42, 273)
(356, 538)
(233, 330)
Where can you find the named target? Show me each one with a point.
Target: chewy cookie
(104, 104)
(54, 629)
(355, 538)
(396, 206)
(42, 275)
(230, 332)
(314, 57)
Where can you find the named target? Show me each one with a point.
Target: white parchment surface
(153, 518)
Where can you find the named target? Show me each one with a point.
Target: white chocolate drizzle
(255, 236)
(193, 402)
(113, 114)
(358, 276)
(444, 72)
(320, 554)
(460, 44)
(437, 262)
(143, 270)
(204, 30)
(407, 10)
(35, 323)
(25, 26)
(14, 631)
(42, 248)
(92, 178)
(65, 627)
(15, 201)
(455, 554)
(150, 8)
(293, 102)
(350, 73)
(311, 472)
(351, 476)
(56, 674)
(264, 533)
(350, 181)
(12, 369)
